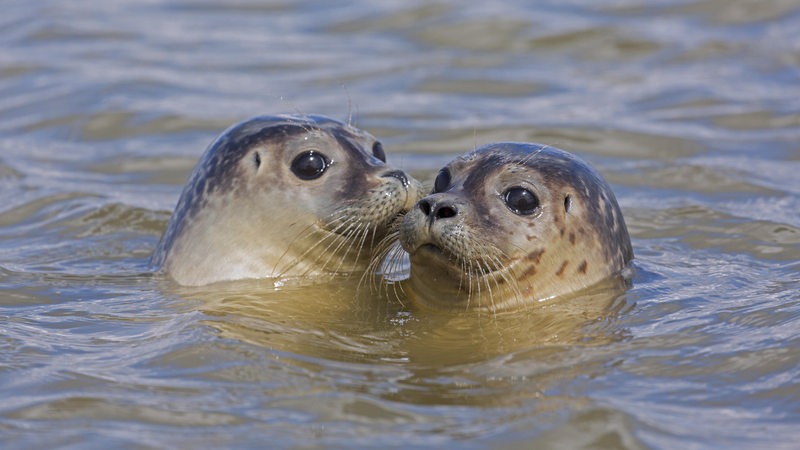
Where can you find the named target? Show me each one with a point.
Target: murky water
(691, 109)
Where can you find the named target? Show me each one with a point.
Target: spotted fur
(486, 256)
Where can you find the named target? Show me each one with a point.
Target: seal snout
(411, 189)
(435, 209)
(424, 226)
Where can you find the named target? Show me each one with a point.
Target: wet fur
(487, 258)
(243, 214)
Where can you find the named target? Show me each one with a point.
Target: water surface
(691, 110)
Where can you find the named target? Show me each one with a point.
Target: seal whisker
(474, 285)
(512, 282)
(397, 296)
(389, 260)
(396, 263)
(360, 241)
(371, 232)
(397, 257)
(494, 268)
(371, 272)
(305, 235)
(378, 257)
(309, 234)
(487, 280)
(345, 241)
(386, 259)
(334, 235)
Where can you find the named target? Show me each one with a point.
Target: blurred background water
(690, 108)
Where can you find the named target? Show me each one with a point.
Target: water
(691, 109)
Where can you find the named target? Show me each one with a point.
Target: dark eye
(310, 165)
(520, 201)
(377, 151)
(442, 181)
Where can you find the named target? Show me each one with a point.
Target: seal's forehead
(268, 128)
(553, 166)
(277, 127)
(236, 140)
(227, 151)
(520, 153)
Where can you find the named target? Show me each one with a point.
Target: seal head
(283, 196)
(509, 224)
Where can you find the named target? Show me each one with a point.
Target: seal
(509, 224)
(283, 196)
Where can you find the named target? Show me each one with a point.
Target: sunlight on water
(689, 108)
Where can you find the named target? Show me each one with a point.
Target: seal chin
(438, 259)
(435, 254)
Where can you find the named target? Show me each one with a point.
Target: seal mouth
(433, 252)
(430, 248)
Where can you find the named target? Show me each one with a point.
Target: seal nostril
(399, 174)
(445, 211)
(425, 207)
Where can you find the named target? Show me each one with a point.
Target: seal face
(512, 223)
(283, 196)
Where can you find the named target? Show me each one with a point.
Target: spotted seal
(283, 196)
(509, 224)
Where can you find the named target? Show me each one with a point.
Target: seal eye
(310, 165)
(377, 151)
(442, 181)
(521, 201)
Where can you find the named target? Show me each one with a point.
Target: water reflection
(340, 320)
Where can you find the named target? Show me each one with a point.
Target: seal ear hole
(377, 151)
(257, 159)
(567, 202)
(442, 181)
(521, 201)
(310, 165)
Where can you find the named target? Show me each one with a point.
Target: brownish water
(691, 110)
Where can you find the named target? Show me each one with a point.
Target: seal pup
(509, 224)
(283, 196)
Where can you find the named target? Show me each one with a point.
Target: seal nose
(399, 174)
(437, 210)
